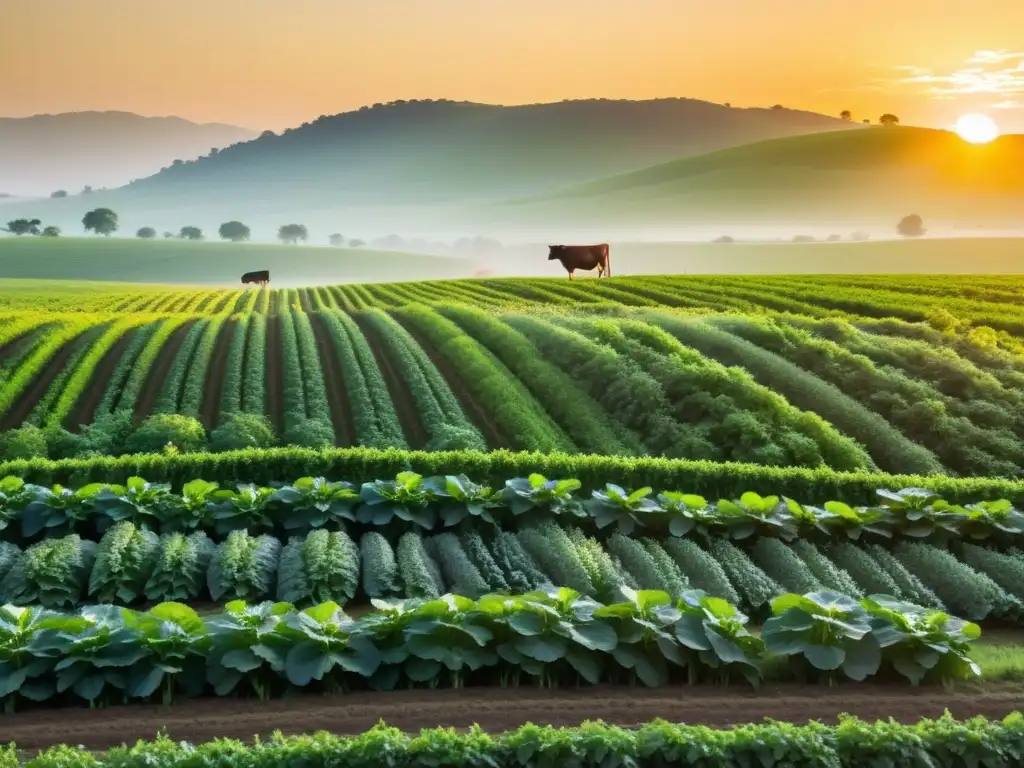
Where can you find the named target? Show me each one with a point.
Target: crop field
(471, 498)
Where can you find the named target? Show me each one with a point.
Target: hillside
(418, 154)
(779, 371)
(45, 153)
(213, 262)
(879, 173)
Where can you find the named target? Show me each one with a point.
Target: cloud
(996, 73)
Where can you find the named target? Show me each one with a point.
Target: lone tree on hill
(357, 243)
(846, 115)
(21, 227)
(911, 226)
(146, 233)
(59, 193)
(292, 233)
(235, 231)
(191, 233)
(51, 231)
(889, 119)
(336, 239)
(102, 221)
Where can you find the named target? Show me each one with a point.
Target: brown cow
(586, 257)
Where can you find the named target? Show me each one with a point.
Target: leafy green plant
(700, 569)
(174, 641)
(318, 568)
(379, 566)
(137, 501)
(717, 632)
(459, 571)
(250, 508)
(26, 666)
(58, 510)
(15, 495)
(414, 570)
(753, 513)
(614, 506)
(53, 573)
(460, 498)
(192, 510)
(124, 560)
(685, 512)
(238, 639)
(315, 502)
(405, 498)
(447, 633)
(647, 643)
(536, 493)
(920, 642)
(180, 567)
(243, 567)
(827, 630)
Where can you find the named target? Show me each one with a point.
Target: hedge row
(358, 465)
(942, 743)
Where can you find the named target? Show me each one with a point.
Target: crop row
(944, 743)
(104, 654)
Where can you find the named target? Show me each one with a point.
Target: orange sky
(276, 63)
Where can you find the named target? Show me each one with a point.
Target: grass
(212, 263)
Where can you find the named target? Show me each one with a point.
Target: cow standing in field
(585, 257)
(260, 278)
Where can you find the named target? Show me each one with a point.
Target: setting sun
(977, 129)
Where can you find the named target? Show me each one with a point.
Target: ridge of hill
(47, 152)
(880, 171)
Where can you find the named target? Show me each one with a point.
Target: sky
(272, 64)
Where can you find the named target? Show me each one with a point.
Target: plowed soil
(495, 710)
(85, 408)
(214, 383)
(334, 382)
(16, 345)
(408, 417)
(159, 370)
(274, 373)
(27, 400)
(493, 436)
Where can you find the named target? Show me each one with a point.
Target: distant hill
(442, 152)
(45, 153)
(873, 173)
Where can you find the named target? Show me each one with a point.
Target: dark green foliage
(53, 573)
(474, 546)
(415, 569)
(27, 442)
(183, 432)
(909, 586)
(238, 431)
(244, 567)
(702, 570)
(869, 576)
(755, 587)
(1005, 570)
(554, 553)
(380, 569)
(180, 567)
(124, 560)
(461, 575)
(783, 566)
(320, 567)
(518, 567)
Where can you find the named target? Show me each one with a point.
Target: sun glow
(977, 129)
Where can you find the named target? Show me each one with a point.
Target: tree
(235, 231)
(21, 227)
(102, 221)
(889, 119)
(336, 239)
(846, 115)
(86, 190)
(292, 233)
(146, 233)
(356, 243)
(168, 235)
(59, 194)
(51, 231)
(911, 226)
(777, 106)
(191, 233)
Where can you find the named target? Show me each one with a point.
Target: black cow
(260, 278)
(585, 257)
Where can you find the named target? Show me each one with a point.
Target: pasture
(633, 465)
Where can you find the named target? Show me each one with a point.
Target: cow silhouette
(260, 278)
(584, 257)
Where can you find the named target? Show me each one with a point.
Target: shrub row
(556, 637)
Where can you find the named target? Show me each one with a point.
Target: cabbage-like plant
(175, 642)
(614, 506)
(247, 509)
(921, 642)
(753, 513)
(982, 520)
(717, 632)
(15, 495)
(26, 666)
(447, 633)
(193, 509)
(315, 502)
(646, 638)
(827, 630)
(461, 498)
(58, 511)
(538, 494)
(686, 512)
(242, 639)
(405, 498)
(837, 517)
(138, 502)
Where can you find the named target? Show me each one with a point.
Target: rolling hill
(409, 157)
(45, 153)
(875, 174)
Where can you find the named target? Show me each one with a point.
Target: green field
(122, 259)
(712, 470)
